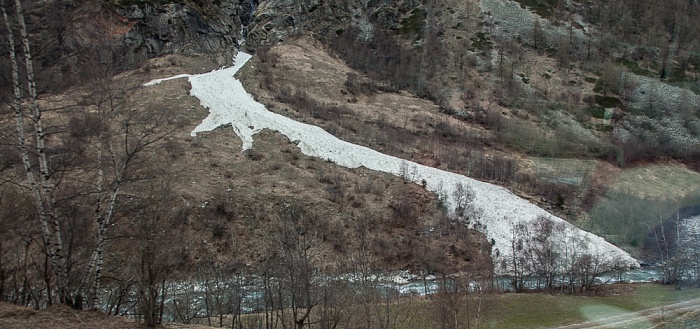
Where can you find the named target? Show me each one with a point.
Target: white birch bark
(42, 188)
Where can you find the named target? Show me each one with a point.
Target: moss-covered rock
(607, 101)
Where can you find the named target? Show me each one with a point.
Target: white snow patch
(501, 210)
(158, 81)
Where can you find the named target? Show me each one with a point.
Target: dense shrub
(303, 102)
(640, 138)
(384, 59)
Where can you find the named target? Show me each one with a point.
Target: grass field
(641, 198)
(650, 181)
(638, 198)
(657, 182)
(541, 310)
(544, 310)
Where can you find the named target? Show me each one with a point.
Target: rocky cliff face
(275, 20)
(74, 36)
(207, 27)
(148, 29)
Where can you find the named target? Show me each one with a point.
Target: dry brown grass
(59, 316)
(235, 197)
(397, 123)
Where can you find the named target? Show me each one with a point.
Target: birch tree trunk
(105, 204)
(41, 188)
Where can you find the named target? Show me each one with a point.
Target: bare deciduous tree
(157, 243)
(41, 181)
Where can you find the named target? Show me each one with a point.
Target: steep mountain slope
(553, 101)
(494, 210)
(245, 193)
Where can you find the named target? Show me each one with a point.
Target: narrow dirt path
(635, 319)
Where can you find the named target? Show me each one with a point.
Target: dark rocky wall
(204, 27)
(71, 38)
(275, 20)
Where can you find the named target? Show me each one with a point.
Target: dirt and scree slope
(234, 198)
(61, 316)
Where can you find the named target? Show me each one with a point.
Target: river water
(405, 283)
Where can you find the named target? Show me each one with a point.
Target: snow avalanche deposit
(500, 210)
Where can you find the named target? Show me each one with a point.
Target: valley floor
(621, 305)
(646, 318)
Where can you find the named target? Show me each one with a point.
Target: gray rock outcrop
(217, 27)
(71, 35)
(275, 20)
(206, 27)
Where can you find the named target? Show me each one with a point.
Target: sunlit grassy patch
(658, 181)
(544, 310)
(641, 198)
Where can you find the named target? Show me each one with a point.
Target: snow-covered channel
(501, 210)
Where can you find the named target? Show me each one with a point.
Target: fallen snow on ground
(229, 103)
(158, 81)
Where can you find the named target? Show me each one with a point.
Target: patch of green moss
(591, 80)
(481, 41)
(677, 75)
(413, 24)
(598, 88)
(543, 8)
(635, 68)
(525, 79)
(607, 101)
(598, 112)
(604, 128)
